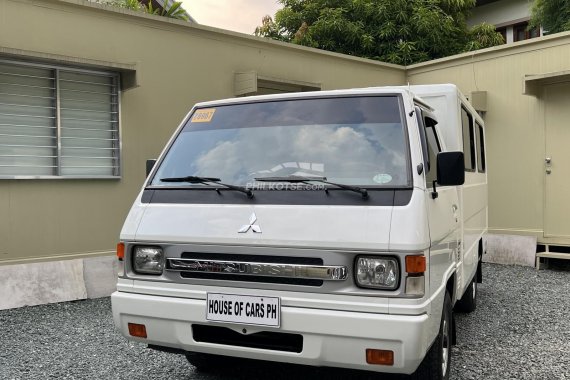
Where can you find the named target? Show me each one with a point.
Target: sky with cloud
(237, 15)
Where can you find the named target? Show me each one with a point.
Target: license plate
(250, 310)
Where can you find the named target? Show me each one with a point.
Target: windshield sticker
(203, 116)
(382, 178)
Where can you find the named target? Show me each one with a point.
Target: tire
(468, 303)
(480, 271)
(480, 264)
(437, 362)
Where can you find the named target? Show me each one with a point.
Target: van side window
(433, 149)
(468, 140)
(480, 147)
(422, 130)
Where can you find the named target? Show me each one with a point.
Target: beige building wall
(172, 65)
(515, 124)
(166, 66)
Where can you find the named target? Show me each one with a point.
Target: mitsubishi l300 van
(336, 228)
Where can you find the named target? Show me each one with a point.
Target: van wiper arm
(207, 180)
(301, 179)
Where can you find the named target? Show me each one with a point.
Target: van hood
(350, 227)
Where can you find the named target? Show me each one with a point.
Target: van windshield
(349, 140)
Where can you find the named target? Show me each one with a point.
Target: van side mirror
(149, 166)
(450, 169)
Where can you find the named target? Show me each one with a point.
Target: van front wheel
(468, 303)
(437, 362)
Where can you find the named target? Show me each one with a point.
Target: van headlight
(148, 260)
(377, 272)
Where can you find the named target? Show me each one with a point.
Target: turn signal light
(121, 251)
(137, 330)
(383, 357)
(415, 264)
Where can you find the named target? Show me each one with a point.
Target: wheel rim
(445, 347)
(474, 289)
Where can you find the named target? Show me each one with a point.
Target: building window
(521, 32)
(58, 122)
(249, 83)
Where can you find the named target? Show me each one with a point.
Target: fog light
(415, 286)
(148, 260)
(384, 357)
(137, 330)
(377, 272)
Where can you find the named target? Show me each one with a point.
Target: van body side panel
(447, 102)
(474, 199)
(474, 205)
(445, 231)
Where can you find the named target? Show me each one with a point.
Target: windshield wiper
(207, 180)
(301, 179)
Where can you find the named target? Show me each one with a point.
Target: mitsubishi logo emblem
(254, 227)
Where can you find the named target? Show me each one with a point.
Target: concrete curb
(56, 281)
(511, 250)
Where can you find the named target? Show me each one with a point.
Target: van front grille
(266, 340)
(252, 259)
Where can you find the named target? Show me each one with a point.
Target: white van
(334, 228)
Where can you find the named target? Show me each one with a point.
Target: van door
(444, 217)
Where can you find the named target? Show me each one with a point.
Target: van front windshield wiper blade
(301, 179)
(207, 180)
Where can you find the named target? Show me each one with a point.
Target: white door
(557, 161)
(444, 216)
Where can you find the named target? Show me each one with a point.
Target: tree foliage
(396, 31)
(171, 9)
(553, 15)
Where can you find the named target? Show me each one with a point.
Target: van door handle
(454, 208)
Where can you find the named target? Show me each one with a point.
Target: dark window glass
(422, 130)
(433, 149)
(481, 148)
(521, 32)
(468, 139)
(353, 140)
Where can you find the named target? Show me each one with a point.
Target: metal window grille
(58, 122)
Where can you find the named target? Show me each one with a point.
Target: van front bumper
(330, 338)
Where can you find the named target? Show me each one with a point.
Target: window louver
(58, 122)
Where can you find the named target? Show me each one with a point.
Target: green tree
(396, 31)
(552, 15)
(171, 9)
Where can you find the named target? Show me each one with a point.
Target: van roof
(317, 94)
